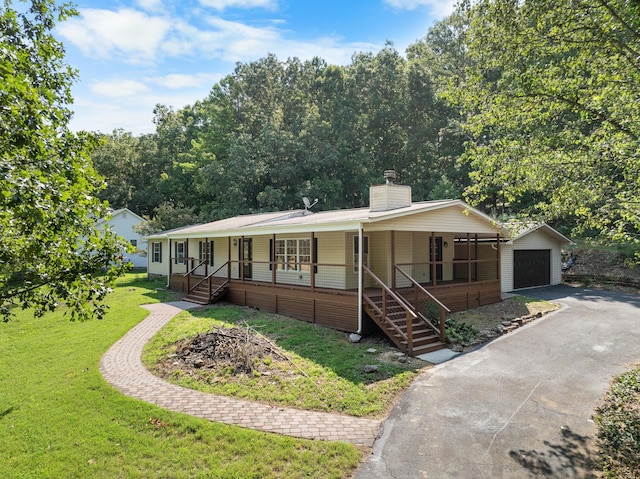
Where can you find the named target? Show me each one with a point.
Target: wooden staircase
(207, 293)
(420, 339)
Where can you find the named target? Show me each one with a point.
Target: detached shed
(532, 257)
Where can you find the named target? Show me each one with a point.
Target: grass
(333, 380)
(59, 418)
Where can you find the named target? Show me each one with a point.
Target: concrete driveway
(521, 406)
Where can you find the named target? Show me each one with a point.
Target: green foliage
(274, 131)
(463, 333)
(60, 419)
(51, 250)
(551, 95)
(618, 421)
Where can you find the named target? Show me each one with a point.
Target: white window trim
(285, 260)
(179, 248)
(156, 249)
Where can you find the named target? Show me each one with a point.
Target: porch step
(425, 339)
(200, 294)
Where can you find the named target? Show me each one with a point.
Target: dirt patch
(468, 329)
(237, 350)
(603, 269)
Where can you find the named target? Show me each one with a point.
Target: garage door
(531, 268)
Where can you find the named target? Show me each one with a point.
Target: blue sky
(134, 54)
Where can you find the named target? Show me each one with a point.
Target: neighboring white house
(532, 257)
(122, 222)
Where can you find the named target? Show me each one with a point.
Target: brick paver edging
(122, 367)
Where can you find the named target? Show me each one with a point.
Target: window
(179, 253)
(293, 254)
(202, 252)
(156, 252)
(134, 242)
(356, 252)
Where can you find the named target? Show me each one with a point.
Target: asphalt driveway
(521, 406)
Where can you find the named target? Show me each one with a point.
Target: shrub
(618, 421)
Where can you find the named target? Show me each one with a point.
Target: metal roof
(299, 221)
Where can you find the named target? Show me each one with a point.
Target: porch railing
(189, 273)
(389, 297)
(209, 279)
(424, 304)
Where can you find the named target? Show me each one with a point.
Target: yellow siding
(379, 255)
(158, 268)
(506, 265)
(450, 219)
(332, 251)
(389, 197)
(489, 270)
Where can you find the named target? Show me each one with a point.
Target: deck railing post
(409, 333)
(442, 325)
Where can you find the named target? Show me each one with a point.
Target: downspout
(169, 254)
(360, 278)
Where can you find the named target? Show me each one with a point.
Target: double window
(293, 254)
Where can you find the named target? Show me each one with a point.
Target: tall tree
(50, 249)
(554, 110)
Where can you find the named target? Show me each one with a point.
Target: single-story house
(122, 222)
(398, 264)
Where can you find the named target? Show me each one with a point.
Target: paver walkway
(122, 367)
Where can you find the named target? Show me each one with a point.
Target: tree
(553, 107)
(50, 249)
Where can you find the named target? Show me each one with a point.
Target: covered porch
(322, 278)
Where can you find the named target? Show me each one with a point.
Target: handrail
(410, 314)
(208, 277)
(422, 289)
(194, 268)
(442, 309)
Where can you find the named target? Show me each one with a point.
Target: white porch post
(360, 278)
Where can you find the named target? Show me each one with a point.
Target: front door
(436, 255)
(247, 257)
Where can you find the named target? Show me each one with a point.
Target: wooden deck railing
(423, 304)
(189, 273)
(386, 294)
(207, 278)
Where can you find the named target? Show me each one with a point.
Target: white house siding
(536, 240)
(122, 223)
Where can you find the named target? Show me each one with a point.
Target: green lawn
(324, 371)
(60, 419)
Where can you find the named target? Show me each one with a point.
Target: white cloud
(150, 5)
(101, 33)
(179, 81)
(439, 8)
(222, 4)
(119, 88)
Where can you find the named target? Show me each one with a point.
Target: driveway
(521, 406)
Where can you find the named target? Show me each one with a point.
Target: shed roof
(521, 229)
